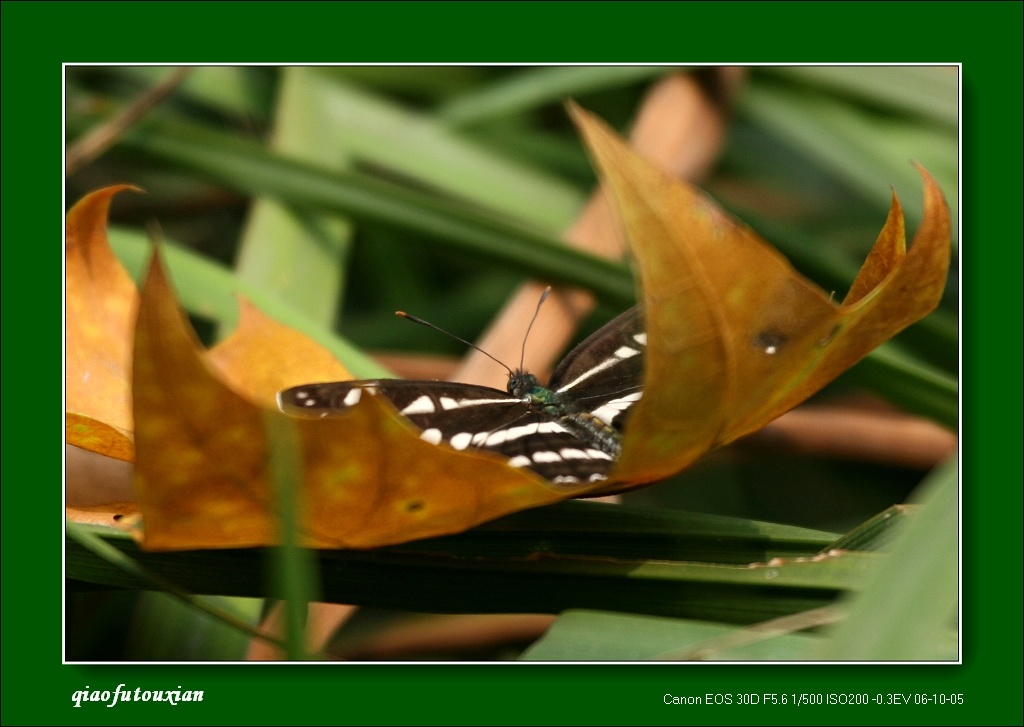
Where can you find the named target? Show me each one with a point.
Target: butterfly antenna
(428, 324)
(543, 297)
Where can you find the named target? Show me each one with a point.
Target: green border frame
(37, 38)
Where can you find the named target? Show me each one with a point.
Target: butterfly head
(521, 383)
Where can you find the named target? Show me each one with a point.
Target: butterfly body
(583, 424)
(568, 431)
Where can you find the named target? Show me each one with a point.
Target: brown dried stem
(680, 129)
(94, 143)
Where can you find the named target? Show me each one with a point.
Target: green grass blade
(577, 557)
(247, 166)
(876, 533)
(910, 383)
(113, 552)
(208, 290)
(292, 567)
(166, 629)
(908, 607)
(385, 134)
(580, 635)
(534, 87)
(296, 254)
(928, 91)
(235, 90)
(869, 154)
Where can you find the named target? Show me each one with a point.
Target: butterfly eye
(520, 384)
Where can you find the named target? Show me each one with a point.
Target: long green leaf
(867, 153)
(533, 87)
(292, 567)
(247, 166)
(228, 89)
(930, 91)
(908, 608)
(910, 383)
(164, 628)
(296, 254)
(112, 553)
(208, 290)
(580, 635)
(576, 557)
(388, 135)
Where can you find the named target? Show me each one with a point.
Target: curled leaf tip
(100, 305)
(725, 309)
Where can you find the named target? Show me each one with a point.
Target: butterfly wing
(464, 415)
(604, 374)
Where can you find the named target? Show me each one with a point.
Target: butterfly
(569, 431)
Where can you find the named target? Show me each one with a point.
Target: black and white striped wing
(464, 415)
(604, 374)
